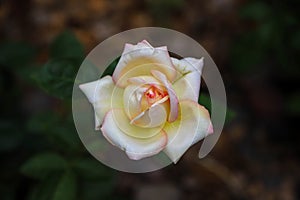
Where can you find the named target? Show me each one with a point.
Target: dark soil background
(256, 46)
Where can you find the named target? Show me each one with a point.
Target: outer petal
(135, 148)
(99, 94)
(188, 81)
(172, 95)
(140, 59)
(192, 125)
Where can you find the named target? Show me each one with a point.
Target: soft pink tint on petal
(172, 95)
(210, 129)
(135, 148)
(138, 60)
(190, 127)
(99, 94)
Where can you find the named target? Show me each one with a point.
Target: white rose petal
(99, 94)
(192, 125)
(187, 85)
(140, 59)
(135, 148)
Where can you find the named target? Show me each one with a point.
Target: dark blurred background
(256, 46)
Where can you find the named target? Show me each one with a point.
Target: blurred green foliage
(41, 154)
(271, 33)
(57, 77)
(66, 45)
(269, 43)
(58, 74)
(50, 156)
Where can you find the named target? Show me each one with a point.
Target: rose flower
(150, 103)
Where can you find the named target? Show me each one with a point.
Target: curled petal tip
(146, 42)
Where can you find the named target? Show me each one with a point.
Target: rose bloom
(150, 103)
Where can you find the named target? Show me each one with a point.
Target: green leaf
(66, 45)
(16, 54)
(58, 130)
(57, 77)
(42, 122)
(111, 67)
(45, 189)
(205, 100)
(92, 169)
(66, 138)
(66, 188)
(56, 187)
(91, 72)
(41, 165)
